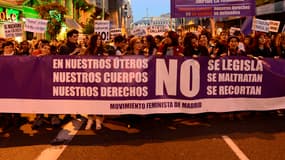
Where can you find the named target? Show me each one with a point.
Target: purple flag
(247, 25)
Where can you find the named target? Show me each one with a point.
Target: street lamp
(124, 18)
(125, 7)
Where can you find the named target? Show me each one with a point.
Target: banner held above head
(212, 8)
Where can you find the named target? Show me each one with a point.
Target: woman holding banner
(9, 119)
(260, 49)
(233, 47)
(192, 47)
(135, 46)
(94, 48)
(150, 45)
(171, 45)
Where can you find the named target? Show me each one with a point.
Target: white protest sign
(102, 27)
(36, 25)
(116, 31)
(260, 25)
(13, 30)
(157, 30)
(274, 25)
(233, 30)
(138, 32)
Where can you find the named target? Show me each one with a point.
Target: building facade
(162, 20)
(265, 10)
(12, 11)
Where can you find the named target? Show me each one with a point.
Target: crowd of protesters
(257, 45)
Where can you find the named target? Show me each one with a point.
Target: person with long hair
(221, 44)
(248, 44)
(171, 45)
(135, 46)
(150, 45)
(192, 47)
(260, 49)
(280, 50)
(94, 48)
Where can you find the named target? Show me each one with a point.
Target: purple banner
(112, 82)
(212, 8)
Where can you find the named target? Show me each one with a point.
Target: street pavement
(258, 136)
